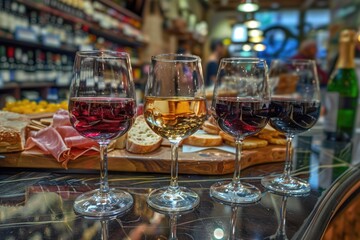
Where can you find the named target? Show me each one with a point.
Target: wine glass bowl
(294, 108)
(102, 107)
(175, 108)
(240, 107)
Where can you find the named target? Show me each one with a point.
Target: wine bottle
(341, 99)
(30, 66)
(4, 65)
(11, 60)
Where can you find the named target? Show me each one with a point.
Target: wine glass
(174, 108)
(102, 107)
(295, 108)
(240, 106)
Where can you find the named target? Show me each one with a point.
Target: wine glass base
(168, 199)
(228, 192)
(291, 186)
(95, 204)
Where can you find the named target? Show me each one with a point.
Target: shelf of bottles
(39, 38)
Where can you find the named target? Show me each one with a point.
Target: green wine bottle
(341, 99)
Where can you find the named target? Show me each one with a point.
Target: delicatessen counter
(38, 190)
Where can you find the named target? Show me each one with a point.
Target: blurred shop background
(39, 38)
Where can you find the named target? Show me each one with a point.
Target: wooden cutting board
(207, 162)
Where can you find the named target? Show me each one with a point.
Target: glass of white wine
(175, 108)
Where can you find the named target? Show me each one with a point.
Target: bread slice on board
(210, 127)
(248, 143)
(141, 139)
(203, 139)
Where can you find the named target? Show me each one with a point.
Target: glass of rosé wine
(294, 109)
(174, 108)
(240, 106)
(102, 107)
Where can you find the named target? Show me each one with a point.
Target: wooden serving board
(207, 162)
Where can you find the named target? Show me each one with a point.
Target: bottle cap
(347, 35)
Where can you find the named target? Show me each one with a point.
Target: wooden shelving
(114, 36)
(9, 39)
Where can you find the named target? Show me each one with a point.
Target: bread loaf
(12, 131)
(203, 139)
(141, 139)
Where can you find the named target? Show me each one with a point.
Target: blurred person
(184, 48)
(218, 50)
(307, 50)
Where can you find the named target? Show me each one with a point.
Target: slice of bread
(210, 128)
(141, 139)
(248, 143)
(203, 139)
(120, 143)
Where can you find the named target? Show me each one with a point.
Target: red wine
(292, 117)
(102, 118)
(241, 117)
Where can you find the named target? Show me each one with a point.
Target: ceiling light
(252, 23)
(246, 47)
(255, 33)
(256, 39)
(259, 47)
(248, 6)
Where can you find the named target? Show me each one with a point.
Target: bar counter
(37, 204)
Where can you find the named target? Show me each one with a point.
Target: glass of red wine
(240, 106)
(294, 108)
(102, 107)
(175, 108)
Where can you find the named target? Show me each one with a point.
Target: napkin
(61, 140)
(190, 148)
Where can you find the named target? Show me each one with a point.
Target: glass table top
(37, 204)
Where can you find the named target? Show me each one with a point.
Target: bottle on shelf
(40, 66)
(11, 61)
(34, 21)
(50, 68)
(30, 66)
(19, 71)
(4, 65)
(341, 99)
(3, 16)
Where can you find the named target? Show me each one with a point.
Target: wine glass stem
(104, 185)
(236, 177)
(288, 158)
(104, 230)
(173, 222)
(281, 229)
(234, 211)
(174, 166)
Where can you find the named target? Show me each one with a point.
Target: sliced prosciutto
(61, 140)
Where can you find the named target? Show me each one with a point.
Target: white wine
(175, 118)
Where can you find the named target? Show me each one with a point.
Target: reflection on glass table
(38, 204)
(280, 233)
